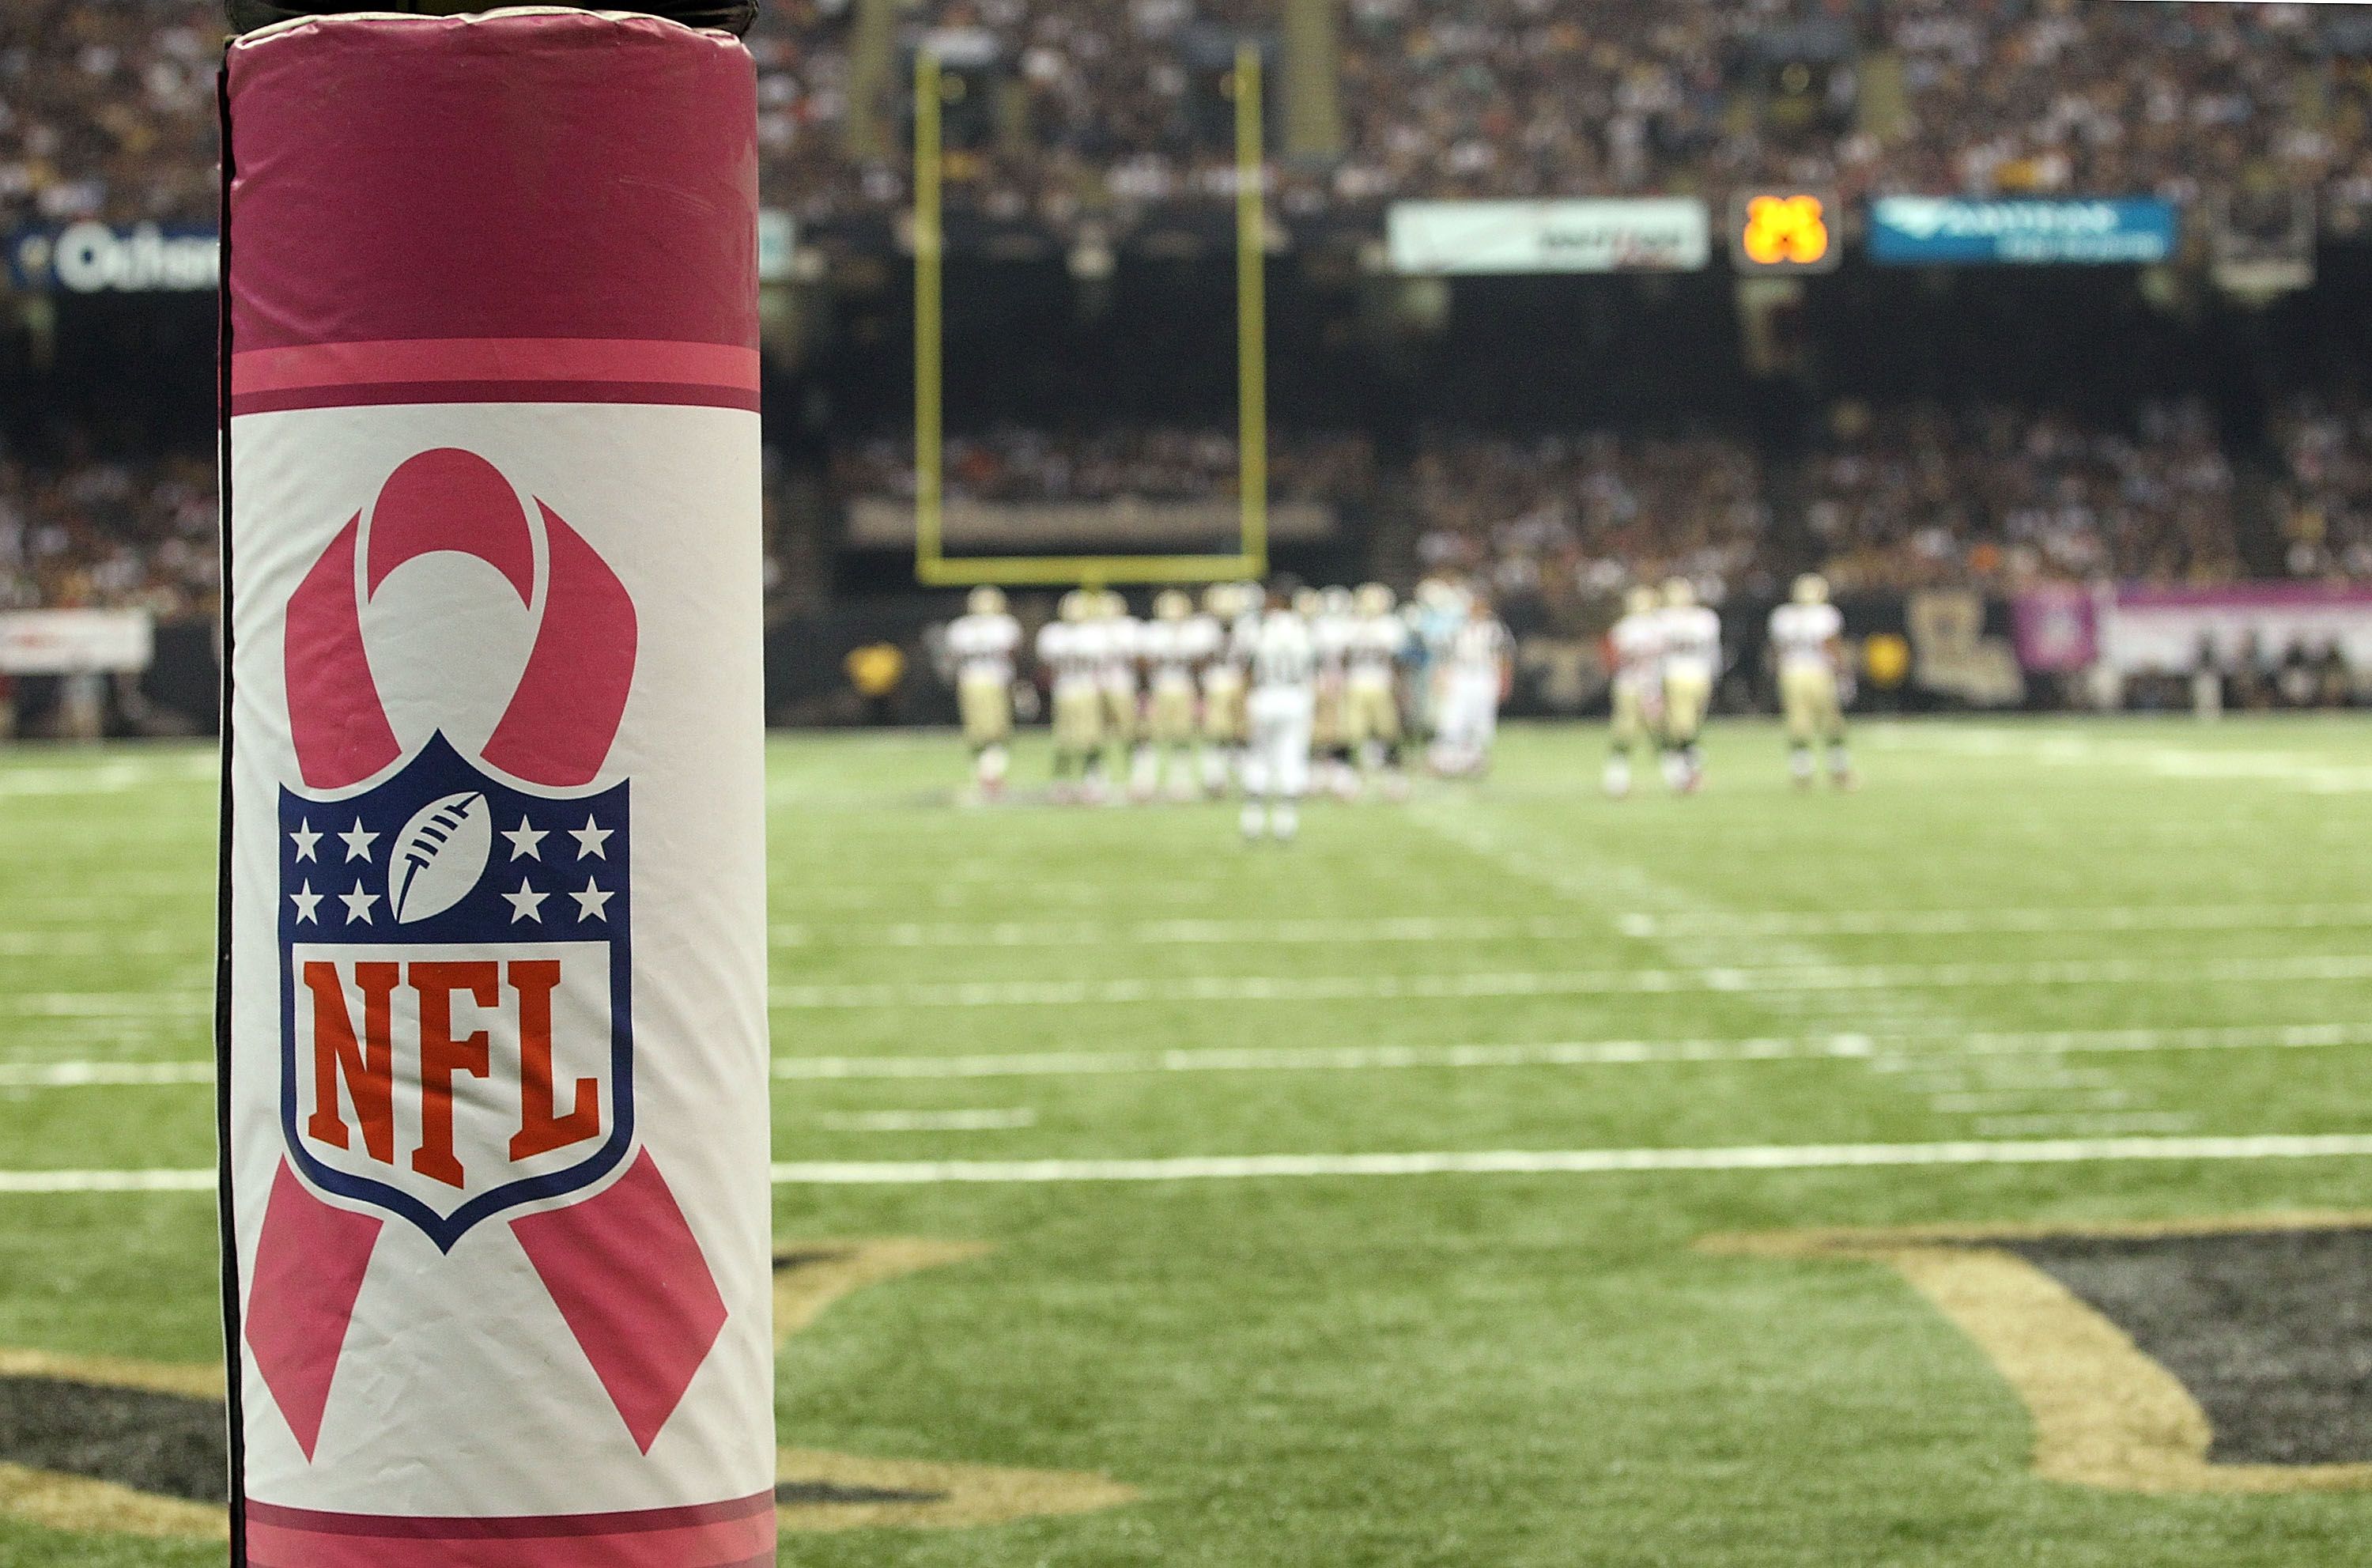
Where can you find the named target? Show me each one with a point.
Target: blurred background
(2122, 361)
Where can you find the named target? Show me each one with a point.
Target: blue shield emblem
(456, 1004)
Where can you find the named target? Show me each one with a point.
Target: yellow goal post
(935, 568)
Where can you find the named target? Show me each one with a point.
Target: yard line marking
(1958, 922)
(107, 1181)
(96, 944)
(927, 1120)
(1576, 1162)
(2314, 771)
(1480, 1162)
(109, 776)
(1887, 1052)
(106, 1004)
(1895, 1052)
(1566, 928)
(1804, 977)
(78, 1074)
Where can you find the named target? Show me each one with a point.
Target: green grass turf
(1438, 1370)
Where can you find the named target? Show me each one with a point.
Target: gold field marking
(2105, 1413)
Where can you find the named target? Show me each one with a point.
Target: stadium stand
(2326, 520)
(110, 534)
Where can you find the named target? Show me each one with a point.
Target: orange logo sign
(1781, 229)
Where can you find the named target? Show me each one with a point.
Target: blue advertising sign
(1920, 230)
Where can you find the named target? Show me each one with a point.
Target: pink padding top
(517, 175)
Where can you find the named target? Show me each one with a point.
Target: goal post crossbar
(933, 566)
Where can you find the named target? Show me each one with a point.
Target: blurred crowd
(1070, 108)
(1563, 517)
(107, 110)
(104, 533)
(1070, 111)
(1999, 498)
(1010, 463)
(2327, 500)
(1907, 498)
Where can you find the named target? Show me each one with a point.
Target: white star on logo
(591, 902)
(526, 840)
(590, 839)
(303, 898)
(358, 903)
(527, 903)
(358, 843)
(305, 839)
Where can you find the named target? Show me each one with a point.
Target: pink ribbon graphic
(624, 1266)
(561, 720)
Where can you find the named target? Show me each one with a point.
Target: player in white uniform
(1283, 662)
(1221, 677)
(983, 642)
(1329, 732)
(1071, 648)
(1807, 641)
(1479, 665)
(1175, 644)
(1123, 719)
(1691, 664)
(1635, 647)
(1371, 709)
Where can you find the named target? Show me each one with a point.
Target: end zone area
(2130, 936)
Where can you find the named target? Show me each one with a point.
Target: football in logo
(439, 856)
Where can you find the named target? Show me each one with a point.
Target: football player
(1173, 644)
(1329, 732)
(1807, 640)
(1371, 712)
(983, 642)
(1635, 653)
(1071, 648)
(1123, 718)
(1284, 661)
(1227, 607)
(1692, 661)
(1480, 669)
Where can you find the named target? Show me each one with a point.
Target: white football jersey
(1170, 650)
(1282, 651)
(1073, 651)
(1800, 633)
(1478, 647)
(1330, 636)
(1122, 646)
(1376, 644)
(1638, 640)
(983, 646)
(1691, 641)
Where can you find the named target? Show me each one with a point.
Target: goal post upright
(933, 566)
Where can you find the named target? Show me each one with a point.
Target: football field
(1505, 1177)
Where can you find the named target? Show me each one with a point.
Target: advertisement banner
(1656, 235)
(2165, 630)
(95, 258)
(1925, 230)
(2058, 629)
(493, 1051)
(76, 641)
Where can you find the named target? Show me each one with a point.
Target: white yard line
(2315, 772)
(1568, 928)
(1576, 1162)
(1895, 1053)
(1482, 1162)
(927, 1120)
(1810, 978)
(106, 777)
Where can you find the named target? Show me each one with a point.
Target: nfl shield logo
(456, 1003)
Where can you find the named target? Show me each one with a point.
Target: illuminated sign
(94, 258)
(1912, 230)
(1784, 231)
(1659, 233)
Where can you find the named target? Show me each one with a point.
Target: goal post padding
(492, 1021)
